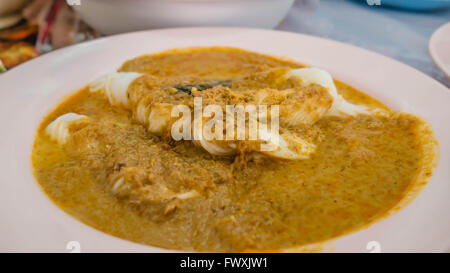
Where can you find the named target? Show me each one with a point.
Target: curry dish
(106, 155)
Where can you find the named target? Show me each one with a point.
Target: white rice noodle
(115, 86)
(215, 149)
(58, 129)
(340, 106)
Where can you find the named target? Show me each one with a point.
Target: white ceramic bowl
(119, 16)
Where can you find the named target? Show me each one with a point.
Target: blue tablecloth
(399, 34)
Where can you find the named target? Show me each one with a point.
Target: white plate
(31, 222)
(439, 48)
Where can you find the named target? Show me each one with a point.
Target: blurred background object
(32, 27)
(10, 12)
(14, 31)
(118, 16)
(58, 24)
(418, 5)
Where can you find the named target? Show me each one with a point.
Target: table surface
(399, 34)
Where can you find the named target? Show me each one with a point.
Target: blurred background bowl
(118, 16)
(10, 6)
(417, 4)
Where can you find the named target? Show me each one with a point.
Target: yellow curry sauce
(363, 167)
